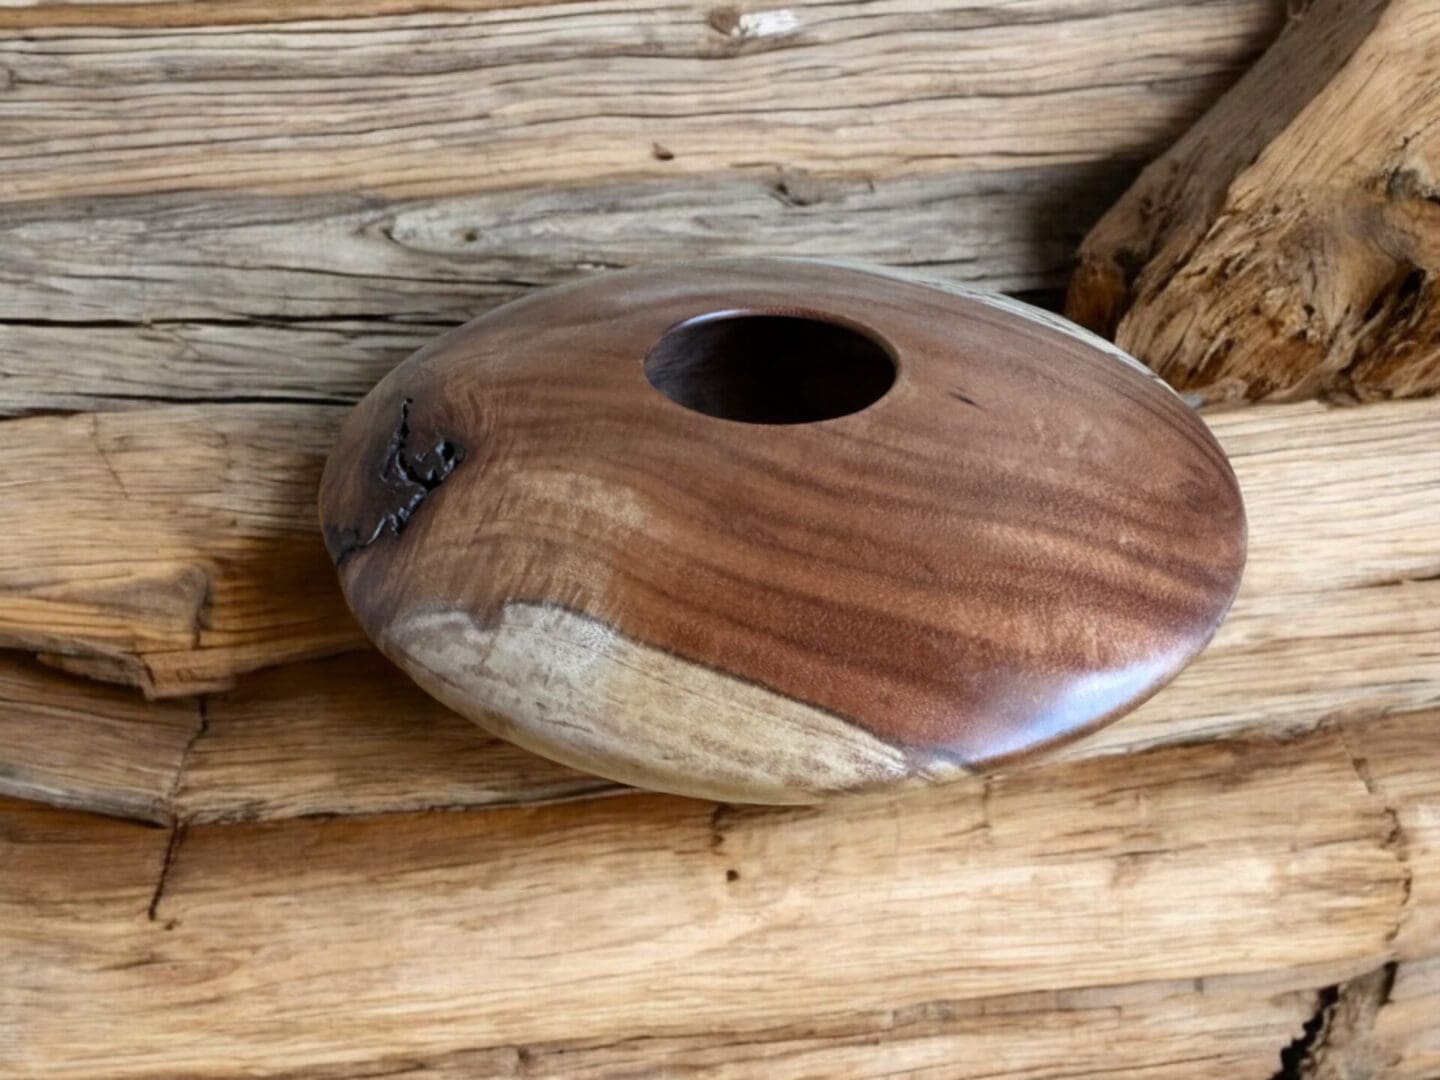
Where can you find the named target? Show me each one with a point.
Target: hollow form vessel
(769, 530)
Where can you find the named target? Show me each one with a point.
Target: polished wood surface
(1025, 536)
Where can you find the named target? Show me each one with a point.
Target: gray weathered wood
(208, 170)
(503, 97)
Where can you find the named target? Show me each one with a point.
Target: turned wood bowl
(767, 530)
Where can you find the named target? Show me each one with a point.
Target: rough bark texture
(1287, 247)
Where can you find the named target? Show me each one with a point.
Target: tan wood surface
(221, 222)
(1260, 867)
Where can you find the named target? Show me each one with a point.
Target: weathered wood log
(1286, 246)
(73, 742)
(503, 97)
(450, 155)
(112, 368)
(1258, 867)
(1342, 563)
(171, 548)
(199, 257)
(771, 530)
(351, 735)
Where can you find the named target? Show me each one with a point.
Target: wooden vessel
(765, 530)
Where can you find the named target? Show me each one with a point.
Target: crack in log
(172, 852)
(1337, 1041)
(178, 825)
(1395, 840)
(1295, 1056)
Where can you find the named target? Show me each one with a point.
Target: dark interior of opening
(769, 369)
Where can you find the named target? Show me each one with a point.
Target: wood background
(234, 842)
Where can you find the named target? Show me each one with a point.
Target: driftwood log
(220, 224)
(1289, 245)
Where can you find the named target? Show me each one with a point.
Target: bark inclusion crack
(409, 477)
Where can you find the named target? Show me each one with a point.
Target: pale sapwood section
(447, 102)
(1286, 246)
(170, 548)
(1335, 618)
(1245, 864)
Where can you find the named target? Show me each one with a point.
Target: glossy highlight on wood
(1023, 535)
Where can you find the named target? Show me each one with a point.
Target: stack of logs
(235, 842)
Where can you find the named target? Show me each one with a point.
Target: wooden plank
(1156, 1032)
(170, 548)
(439, 103)
(32, 14)
(95, 368)
(72, 742)
(208, 256)
(421, 936)
(1285, 247)
(1342, 563)
(353, 735)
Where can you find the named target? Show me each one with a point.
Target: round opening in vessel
(769, 369)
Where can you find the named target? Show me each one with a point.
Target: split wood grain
(1342, 564)
(644, 915)
(506, 98)
(168, 549)
(1397, 762)
(1286, 246)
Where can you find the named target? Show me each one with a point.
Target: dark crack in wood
(409, 478)
(1338, 1041)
